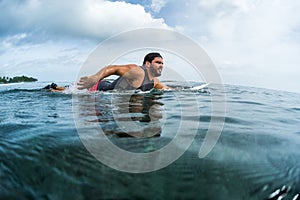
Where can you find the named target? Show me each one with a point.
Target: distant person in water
(54, 88)
(131, 76)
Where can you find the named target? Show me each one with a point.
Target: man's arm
(58, 89)
(120, 70)
(160, 86)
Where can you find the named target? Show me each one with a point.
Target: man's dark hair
(150, 56)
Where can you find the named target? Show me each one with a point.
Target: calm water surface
(42, 157)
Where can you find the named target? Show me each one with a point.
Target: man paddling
(131, 76)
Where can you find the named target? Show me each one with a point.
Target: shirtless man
(131, 76)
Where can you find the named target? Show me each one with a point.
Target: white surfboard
(199, 87)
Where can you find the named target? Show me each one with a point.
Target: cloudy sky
(251, 42)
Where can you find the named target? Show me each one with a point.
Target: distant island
(17, 79)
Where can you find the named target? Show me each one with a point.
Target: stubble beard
(155, 72)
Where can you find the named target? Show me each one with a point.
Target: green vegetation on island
(17, 79)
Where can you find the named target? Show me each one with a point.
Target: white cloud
(11, 41)
(45, 61)
(157, 5)
(50, 39)
(265, 30)
(261, 38)
(87, 18)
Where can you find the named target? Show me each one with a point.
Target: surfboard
(199, 87)
(194, 88)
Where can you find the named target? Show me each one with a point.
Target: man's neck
(150, 75)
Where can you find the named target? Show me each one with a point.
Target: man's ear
(147, 64)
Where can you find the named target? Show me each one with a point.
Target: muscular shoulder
(122, 70)
(131, 70)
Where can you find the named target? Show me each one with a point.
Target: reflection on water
(123, 115)
(136, 115)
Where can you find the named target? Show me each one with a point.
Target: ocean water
(43, 155)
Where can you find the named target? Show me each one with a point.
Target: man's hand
(87, 82)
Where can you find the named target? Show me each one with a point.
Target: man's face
(156, 66)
